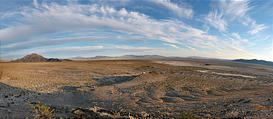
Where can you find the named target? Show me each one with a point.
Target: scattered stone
(105, 111)
(144, 114)
(78, 112)
(244, 100)
(232, 114)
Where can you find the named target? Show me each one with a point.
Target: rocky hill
(37, 58)
(32, 58)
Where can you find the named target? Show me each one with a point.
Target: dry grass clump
(188, 115)
(41, 111)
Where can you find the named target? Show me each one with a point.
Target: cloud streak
(126, 47)
(171, 45)
(85, 48)
(230, 11)
(257, 28)
(216, 20)
(180, 11)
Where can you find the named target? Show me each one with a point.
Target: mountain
(78, 57)
(96, 57)
(142, 56)
(197, 57)
(99, 57)
(32, 58)
(255, 61)
(124, 56)
(38, 58)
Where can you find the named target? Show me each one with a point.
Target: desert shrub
(147, 67)
(207, 64)
(41, 111)
(188, 115)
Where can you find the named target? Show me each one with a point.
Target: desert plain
(137, 88)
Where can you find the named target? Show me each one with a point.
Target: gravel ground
(150, 88)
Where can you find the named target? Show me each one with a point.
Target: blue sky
(68, 28)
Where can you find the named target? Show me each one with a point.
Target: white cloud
(216, 20)
(267, 37)
(170, 40)
(52, 42)
(87, 48)
(271, 50)
(257, 28)
(236, 35)
(126, 47)
(171, 45)
(35, 3)
(228, 11)
(181, 11)
(235, 8)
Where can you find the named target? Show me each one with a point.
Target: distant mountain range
(142, 56)
(37, 58)
(252, 61)
(255, 61)
(125, 56)
(4, 60)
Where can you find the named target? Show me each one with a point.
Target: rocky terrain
(136, 88)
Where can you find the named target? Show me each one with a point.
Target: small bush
(188, 115)
(41, 111)
(147, 66)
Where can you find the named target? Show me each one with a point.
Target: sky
(225, 29)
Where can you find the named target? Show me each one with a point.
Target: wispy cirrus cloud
(232, 10)
(236, 35)
(59, 50)
(235, 8)
(216, 20)
(52, 42)
(257, 28)
(267, 37)
(126, 47)
(86, 48)
(182, 11)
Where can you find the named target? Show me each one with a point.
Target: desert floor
(137, 88)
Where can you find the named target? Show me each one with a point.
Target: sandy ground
(147, 88)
